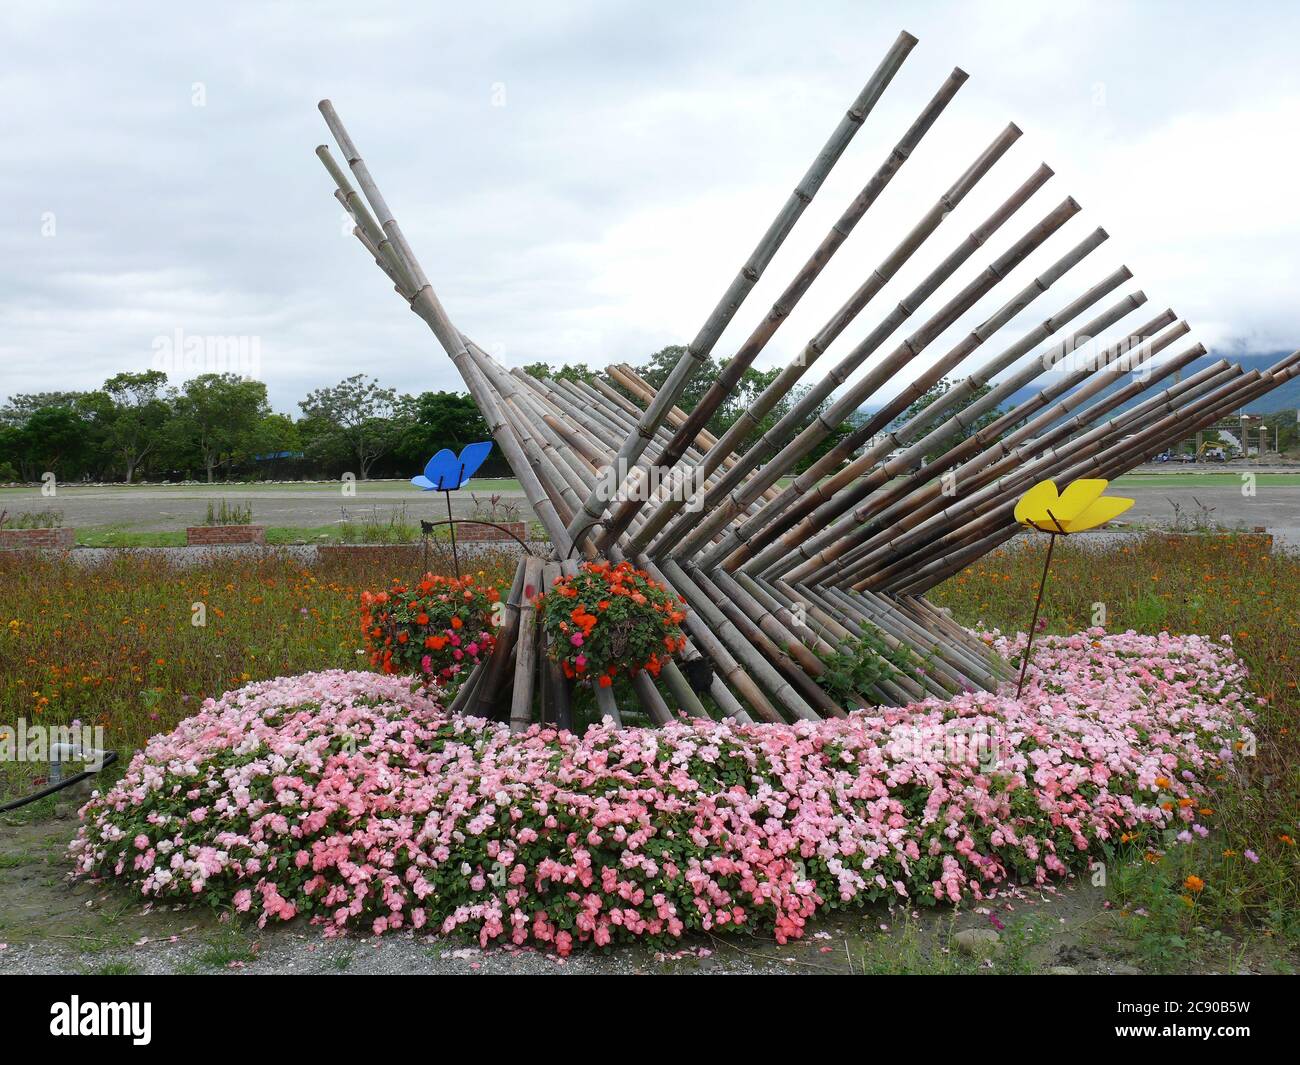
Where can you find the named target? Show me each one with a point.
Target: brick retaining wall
(37, 539)
(217, 535)
(469, 532)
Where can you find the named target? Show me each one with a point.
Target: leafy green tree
(274, 433)
(23, 405)
(217, 415)
(138, 416)
(439, 420)
(656, 369)
(576, 372)
(53, 439)
(356, 417)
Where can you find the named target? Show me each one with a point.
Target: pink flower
(349, 797)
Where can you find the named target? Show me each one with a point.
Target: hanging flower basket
(606, 620)
(437, 630)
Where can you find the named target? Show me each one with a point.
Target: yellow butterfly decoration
(1081, 506)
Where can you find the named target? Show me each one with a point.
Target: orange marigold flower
(1194, 884)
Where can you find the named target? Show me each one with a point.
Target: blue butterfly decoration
(446, 471)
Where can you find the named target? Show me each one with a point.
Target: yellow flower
(1081, 506)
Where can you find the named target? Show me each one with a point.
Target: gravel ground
(308, 954)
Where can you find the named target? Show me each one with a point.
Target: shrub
(49, 518)
(372, 528)
(227, 513)
(860, 664)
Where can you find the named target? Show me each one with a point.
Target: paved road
(160, 508)
(1275, 503)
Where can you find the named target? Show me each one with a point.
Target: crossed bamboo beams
(779, 576)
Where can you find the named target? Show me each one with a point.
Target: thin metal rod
(1033, 625)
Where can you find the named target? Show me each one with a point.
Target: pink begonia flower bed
(349, 799)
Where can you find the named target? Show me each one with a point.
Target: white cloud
(642, 149)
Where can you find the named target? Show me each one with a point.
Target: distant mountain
(1285, 397)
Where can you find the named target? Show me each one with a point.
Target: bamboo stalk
(557, 685)
(521, 703)
(425, 303)
(751, 418)
(807, 555)
(729, 379)
(700, 348)
(823, 424)
(817, 480)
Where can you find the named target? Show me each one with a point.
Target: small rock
(1062, 970)
(63, 810)
(976, 940)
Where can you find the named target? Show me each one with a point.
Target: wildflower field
(117, 645)
(1158, 755)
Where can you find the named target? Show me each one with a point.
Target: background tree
(23, 405)
(217, 414)
(356, 416)
(137, 416)
(656, 369)
(441, 420)
(575, 372)
(53, 439)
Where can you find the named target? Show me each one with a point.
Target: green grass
(1229, 478)
(116, 968)
(220, 950)
(124, 536)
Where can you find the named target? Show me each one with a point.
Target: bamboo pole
(997, 501)
(1126, 456)
(730, 377)
(425, 303)
(700, 348)
(837, 539)
(557, 685)
(521, 703)
(824, 423)
(751, 418)
(817, 485)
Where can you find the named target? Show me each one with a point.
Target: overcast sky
(582, 180)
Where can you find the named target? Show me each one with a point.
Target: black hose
(109, 758)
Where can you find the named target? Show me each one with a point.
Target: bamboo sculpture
(777, 577)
